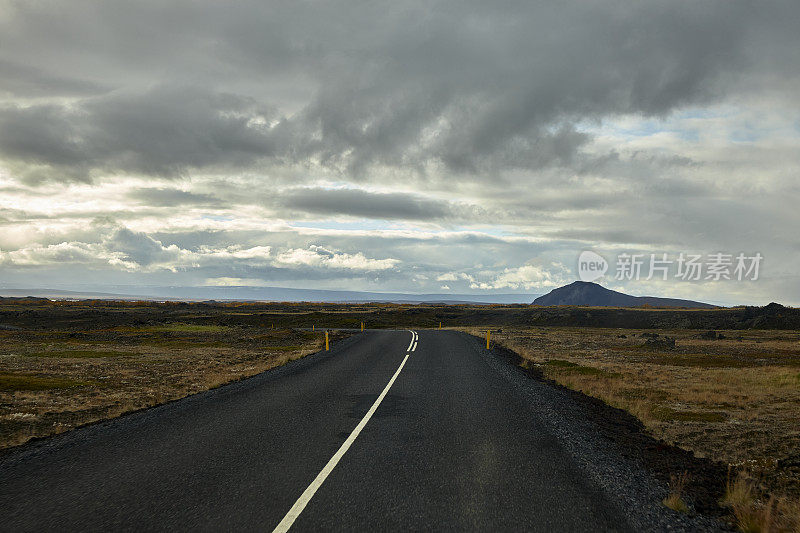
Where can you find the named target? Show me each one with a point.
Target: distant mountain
(592, 294)
(265, 294)
(60, 294)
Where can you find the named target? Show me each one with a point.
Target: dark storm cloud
(358, 203)
(468, 87)
(164, 131)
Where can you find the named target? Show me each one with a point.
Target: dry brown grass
(54, 380)
(755, 512)
(675, 499)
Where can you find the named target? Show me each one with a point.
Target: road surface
(390, 430)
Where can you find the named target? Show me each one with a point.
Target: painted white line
(301, 502)
(414, 349)
(413, 338)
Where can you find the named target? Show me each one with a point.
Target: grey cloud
(251, 107)
(500, 94)
(470, 88)
(358, 203)
(603, 237)
(546, 202)
(10, 215)
(164, 197)
(26, 81)
(138, 247)
(164, 131)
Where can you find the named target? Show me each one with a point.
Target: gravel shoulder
(613, 450)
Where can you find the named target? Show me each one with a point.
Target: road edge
(594, 433)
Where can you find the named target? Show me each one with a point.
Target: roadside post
(327, 342)
(440, 325)
(362, 326)
(488, 337)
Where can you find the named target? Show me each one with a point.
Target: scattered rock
(660, 342)
(712, 335)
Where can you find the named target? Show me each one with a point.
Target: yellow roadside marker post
(313, 327)
(362, 326)
(488, 336)
(327, 342)
(440, 325)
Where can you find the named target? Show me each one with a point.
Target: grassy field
(732, 396)
(52, 380)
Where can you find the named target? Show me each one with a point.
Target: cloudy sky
(408, 146)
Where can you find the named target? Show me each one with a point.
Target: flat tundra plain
(710, 414)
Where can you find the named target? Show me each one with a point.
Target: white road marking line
(301, 502)
(413, 338)
(414, 349)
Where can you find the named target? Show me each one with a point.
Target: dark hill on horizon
(592, 294)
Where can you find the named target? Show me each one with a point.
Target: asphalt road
(448, 446)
